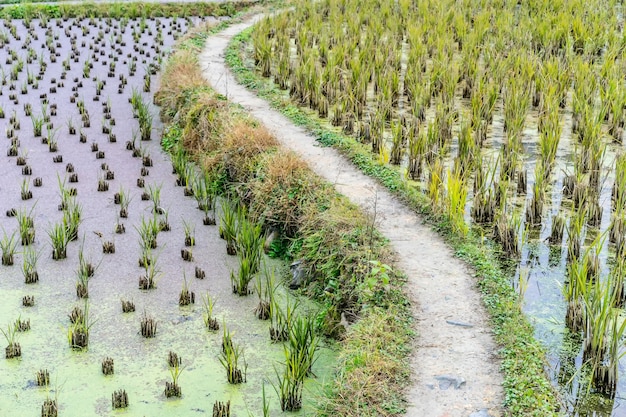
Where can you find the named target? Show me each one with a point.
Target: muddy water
(140, 364)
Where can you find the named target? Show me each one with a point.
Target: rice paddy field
(128, 287)
(509, 116)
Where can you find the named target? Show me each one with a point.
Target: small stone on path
(446, 381)
(459, 323)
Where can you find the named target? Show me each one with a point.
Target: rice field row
(510, 117)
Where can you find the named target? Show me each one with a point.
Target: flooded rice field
(525, 149)
(84, 290)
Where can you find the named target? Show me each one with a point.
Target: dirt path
(442, 288)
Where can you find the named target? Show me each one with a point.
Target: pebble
(446, 381)
(459, 323)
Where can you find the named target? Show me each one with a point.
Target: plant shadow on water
(80, 217)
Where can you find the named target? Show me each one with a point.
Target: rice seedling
(249, 250)
(190, 231)
(199, 273)
(142, 111)
(78, 332)
(71, 127)
(228, 226)
(173, 359)
(26, 226)
(152, 272)
(21, 158)
(108, 247)
(50, 407)
(594, 210)
(550, 133)
(435, 184)
(558, 226)
(29, 265)
(146, 83)
(72, 217)
(85, 265)
(265, 294)
(154, 193)
(232, 359)
(602, 334)
(38, 122)
(266, 404)
(148, 326)
(290, 386)
(302, 345)
(300, 353)
(13, 349)
(618, 192)
(8, 246)
(82, 284)
(455, 202)
(180, 163)
(574, 233)
(535, 208)
(128, 306)
(506, 228)
(148, 231)
(103, 184)
(52, 139)
(164, 223)
(119, 399)
(186, 296)
(25, 191)
(12, 151)
(204, 193)
(397, 150)
(123, 198)
(28, 300)
(172, 389)
(281, 318)
(221, 409)
(242, 278)
(249, 241)
(108, 366)
(22, 325)
(617, 229)
(59, 240)
(42, 378)
(210, 321)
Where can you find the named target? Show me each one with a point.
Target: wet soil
(140, 364)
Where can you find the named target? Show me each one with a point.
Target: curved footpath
(455, 368)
